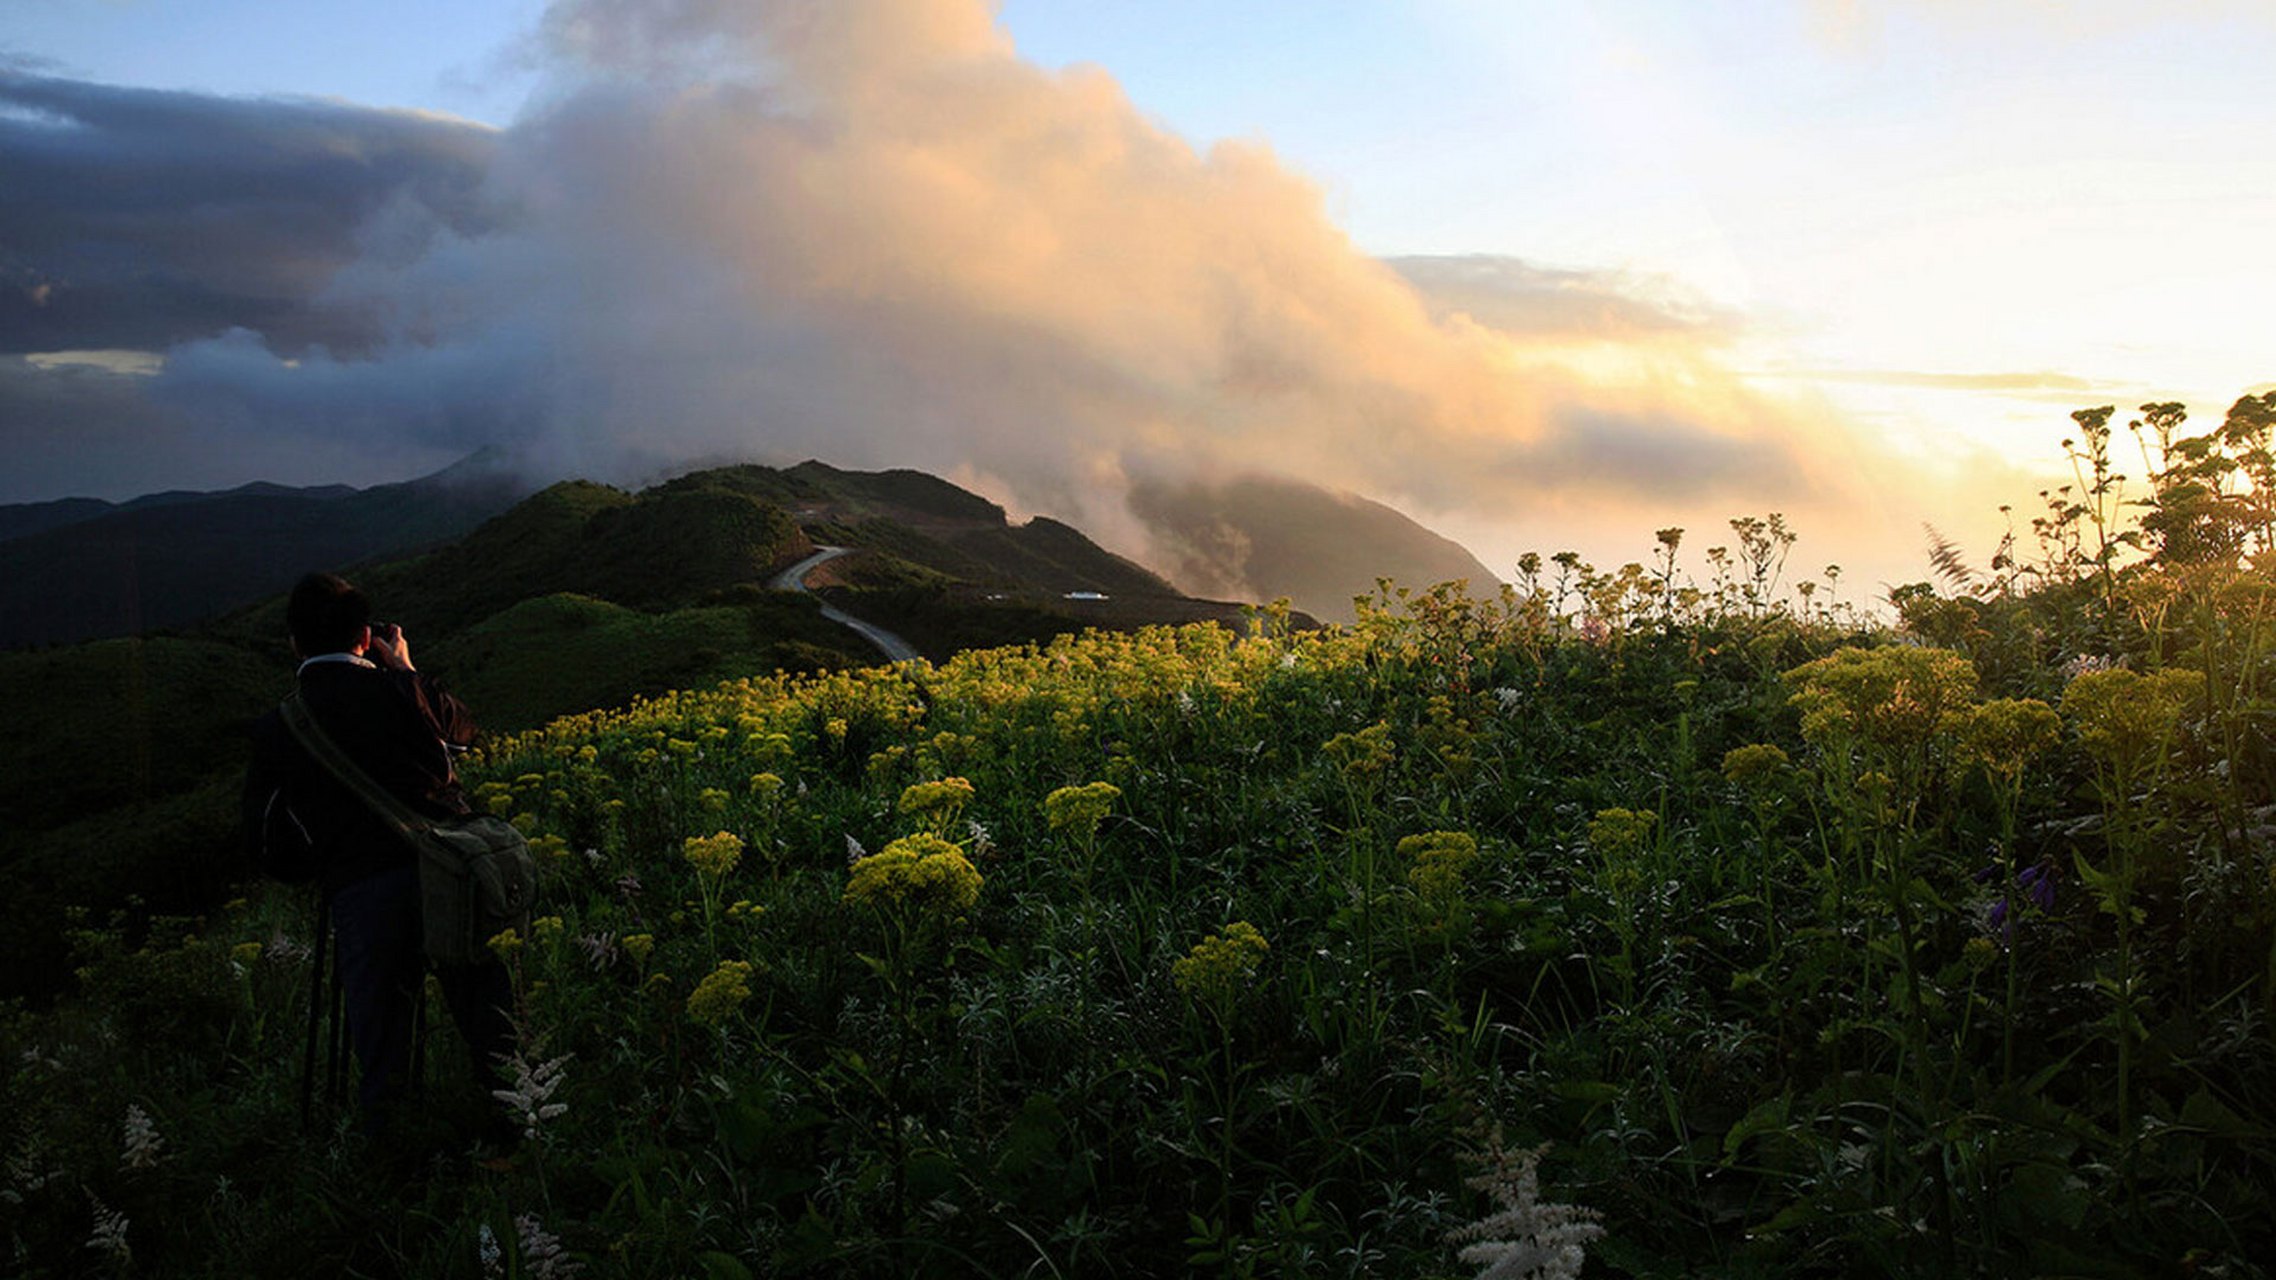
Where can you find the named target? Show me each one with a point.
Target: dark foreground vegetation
(1806, 945)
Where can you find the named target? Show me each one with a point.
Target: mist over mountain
(869, 230)
(1263, 538)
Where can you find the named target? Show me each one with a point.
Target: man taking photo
(303, 822)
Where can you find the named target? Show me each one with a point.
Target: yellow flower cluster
(638, 945)
(545, 930)
(1358, 754)
(505, 944)
(1221, 963)
(715, 855)
(1757, 766)
(2124, 716)
(1441, 860)
(922, 868)
(1896, 697)
(2003, 735)
(721, 993)
(1080, 809)
(1617, 833)
(936, 799)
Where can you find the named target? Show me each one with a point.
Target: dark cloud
(136, 218)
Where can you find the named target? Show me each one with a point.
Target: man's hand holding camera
(388, 647)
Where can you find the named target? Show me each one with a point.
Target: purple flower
(2038, 882)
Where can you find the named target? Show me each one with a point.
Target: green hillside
(1691, 929)
(579, 597)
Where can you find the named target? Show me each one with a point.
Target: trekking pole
(336, 1056)
(318, 1006)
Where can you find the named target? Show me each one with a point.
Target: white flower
(1185, 702)
(599, 948)
(142, 1140)
(1525, 1239)
(283, 951)
(24, 1172)
(982, 842)
(1511, 699)
(109, 1235)
(541, 1251)
(854, 851)
(534, 1084)
(493, 1257)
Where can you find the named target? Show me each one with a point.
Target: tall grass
(1928, 977)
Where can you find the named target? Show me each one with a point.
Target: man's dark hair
(326, 614)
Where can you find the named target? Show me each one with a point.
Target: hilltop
(576, 597)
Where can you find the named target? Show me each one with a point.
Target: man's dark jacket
(301, 822)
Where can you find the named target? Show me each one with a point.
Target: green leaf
(2048, 1193)
(1588, 1091)
(2209, 1113)
(722, 1266)
(1769, 1116)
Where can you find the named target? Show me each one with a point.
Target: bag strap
(399, 817)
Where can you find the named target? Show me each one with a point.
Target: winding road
(892, 646)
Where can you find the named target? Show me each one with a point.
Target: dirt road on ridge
(892, 646)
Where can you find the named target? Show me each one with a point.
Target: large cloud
(139, 219)
(865, 230)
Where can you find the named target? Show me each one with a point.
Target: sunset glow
(1542, 276)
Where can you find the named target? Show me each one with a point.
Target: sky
(1539, 274)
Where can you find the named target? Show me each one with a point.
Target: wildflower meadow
(1621, 922)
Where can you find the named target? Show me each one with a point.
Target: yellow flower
(1080, 808)
(505, 943)
(545, 930)
(943, 797)
(638, 945)
(1220, 965)
(721, 992)
(712, 798)
(1756, 766)
(1619, 832)
(2123, 716)
(713, 856)
(245, 953)
(1896, 697)
(765, 785)
(925, 868)
(1441, 858)
(2003, 735)
(1365, 752)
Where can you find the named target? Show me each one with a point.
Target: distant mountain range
(80, 569)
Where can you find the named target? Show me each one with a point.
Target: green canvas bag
(476, 875)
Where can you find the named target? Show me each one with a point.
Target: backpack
(476, 875)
